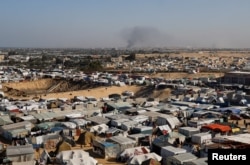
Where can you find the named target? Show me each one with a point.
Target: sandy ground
(99, 92)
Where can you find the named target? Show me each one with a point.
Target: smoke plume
(145, 37)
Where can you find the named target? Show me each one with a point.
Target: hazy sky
(125, 23)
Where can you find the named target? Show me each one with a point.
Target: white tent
(82, 161)
(72, 157)
(131, 152)
(69, 124)
(138, 159)
(101, 128)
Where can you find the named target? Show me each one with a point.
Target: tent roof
(222, 128)
(19, 150)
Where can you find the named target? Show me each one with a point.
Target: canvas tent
(99, 129)
(139, 159)
(131, 152)
(172, 121)
(106, 149)
(75, 157)
(86, 161)
(85, 138)
(62, 146)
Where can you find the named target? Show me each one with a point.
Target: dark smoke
(144, 37)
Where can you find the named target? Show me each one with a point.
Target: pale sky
(125, 23)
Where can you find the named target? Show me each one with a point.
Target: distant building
(2, 57)
(237, 77)
(116, 59)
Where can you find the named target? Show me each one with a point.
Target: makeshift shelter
(85, 138)
(233, 110)
(75, 157)
(69, 125)
(106, 149)
(131, 152)
(80, 122)
(142, 129)
(98, 120)
(188, 131)
(29, 118)
(201, 138)
(123, 142)
(118, 122)
(151, 161)
(62, 146)
(139, 159)
(139, 138)
(15, 129)
(99, 129)
(217, 128)
(5, 120)
(170, 151)
(20, 153)
(86, 161)
(126, 126)
(32, 162)
(48, 141)
(172, 121)
(180, 159)
(166, 140)
(199, 161)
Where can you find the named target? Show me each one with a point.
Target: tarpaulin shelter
(106, 149)
(139, 159)
(217, 127)
(62, 146)
(75, 157)
(85, 138)
(131, 152)
(151, 161)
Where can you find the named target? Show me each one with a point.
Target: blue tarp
(229, 109)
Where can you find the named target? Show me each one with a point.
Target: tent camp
(85, 138)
